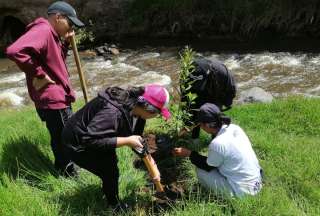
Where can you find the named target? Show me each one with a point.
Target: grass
(285, 135)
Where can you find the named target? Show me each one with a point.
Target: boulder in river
(107, 51)
(254, 95)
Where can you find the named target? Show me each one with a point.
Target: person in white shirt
(231, 167)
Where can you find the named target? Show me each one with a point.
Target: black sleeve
(200, 161)
(102, 130)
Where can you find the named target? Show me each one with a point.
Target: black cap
(209, 113)
(67, 10)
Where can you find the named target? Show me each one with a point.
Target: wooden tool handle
(153, 172)
(80, 72)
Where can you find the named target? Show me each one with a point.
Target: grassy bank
(285, 135)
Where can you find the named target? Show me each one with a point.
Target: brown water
(280, 73)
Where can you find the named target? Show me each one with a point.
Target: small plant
(182, 114)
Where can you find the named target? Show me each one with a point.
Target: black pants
(101, 163)
(55, 122)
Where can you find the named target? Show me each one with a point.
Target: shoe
(71, 170)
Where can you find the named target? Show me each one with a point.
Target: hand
(68, 35)
(134, 142)
(39, 83)
(181, 152)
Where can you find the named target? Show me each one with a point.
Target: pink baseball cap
(158, 97)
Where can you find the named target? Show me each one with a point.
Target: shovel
(164, 194)
(153, 172)
(80, 72)
(151, 167)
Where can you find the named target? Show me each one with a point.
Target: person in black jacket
(115, 118)
(212, 82)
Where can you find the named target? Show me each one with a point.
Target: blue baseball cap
(66, 10)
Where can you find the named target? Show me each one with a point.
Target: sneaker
(71, 170)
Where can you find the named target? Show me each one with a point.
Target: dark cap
(66, 10)
(209, 113)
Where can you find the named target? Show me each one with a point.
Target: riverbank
(285, 135)
(109, 20)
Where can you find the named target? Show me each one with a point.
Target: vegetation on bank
(84, 37)
(285, 135)
(236, 19)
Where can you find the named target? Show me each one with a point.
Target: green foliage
(84, 36)
(186, 68)
(181, 108)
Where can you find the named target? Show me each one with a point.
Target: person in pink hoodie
(41, 53)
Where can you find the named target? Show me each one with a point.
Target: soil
(160, 146)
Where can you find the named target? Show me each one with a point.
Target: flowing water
(280, 73)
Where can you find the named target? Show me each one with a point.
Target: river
(280, 73)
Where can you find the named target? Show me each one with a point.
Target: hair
(127, 97)
(221, 120)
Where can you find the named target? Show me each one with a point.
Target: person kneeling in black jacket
(115, 118)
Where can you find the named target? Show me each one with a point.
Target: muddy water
(280, 73)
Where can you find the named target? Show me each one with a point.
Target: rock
(114, 51)
(254, 95)
(107, 51)
(10, 99)
(99, 50)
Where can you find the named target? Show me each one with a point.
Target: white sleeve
(215, 155)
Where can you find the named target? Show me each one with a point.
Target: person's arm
(66, 43)
(195, 158)
(102, 132)
(27, 52)
(130, 141)
(200, 161)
